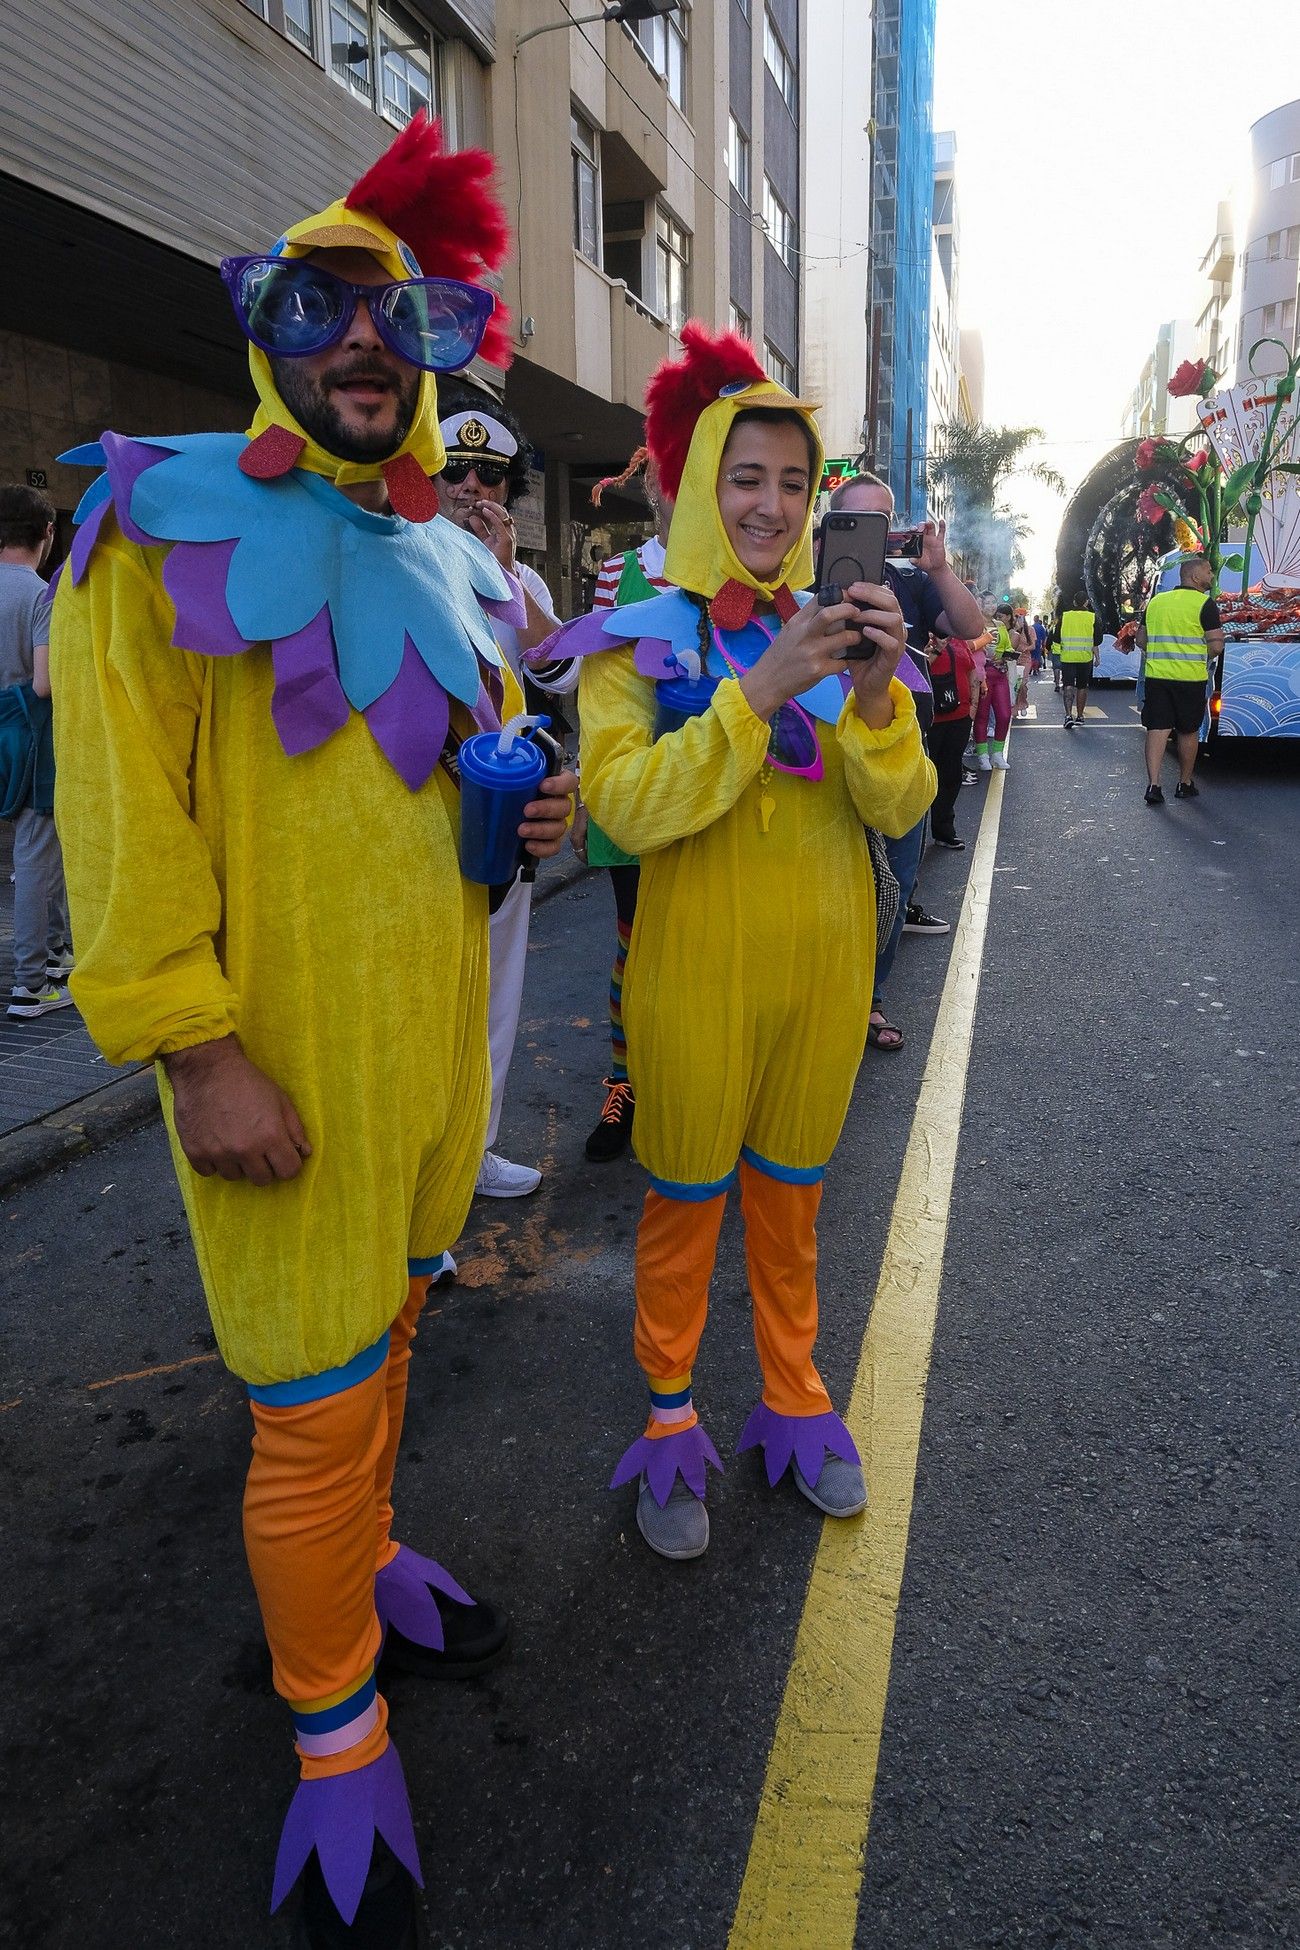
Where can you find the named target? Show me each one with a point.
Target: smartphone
(906, 544)
(850, 548)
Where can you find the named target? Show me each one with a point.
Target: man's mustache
(370, 375)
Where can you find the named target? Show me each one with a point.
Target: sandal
(885, 1036)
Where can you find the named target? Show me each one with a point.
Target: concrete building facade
(1270, 259)
(837, 175)
(1149, 410)
(180, 131)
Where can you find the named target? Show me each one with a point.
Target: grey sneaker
(38, 1002)
(681, 1528)
(839, 1491)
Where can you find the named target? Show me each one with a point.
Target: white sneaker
(59, 967)
(1000, 763)
(446, 1273)
(984, 762)
(498, 1178)
(38, 1002)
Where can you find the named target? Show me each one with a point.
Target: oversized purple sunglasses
(792, 746)
(291, 307)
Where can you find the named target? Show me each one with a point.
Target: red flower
(1201, 458)
(1188, 379)
(1148, 508)
(1146, 454)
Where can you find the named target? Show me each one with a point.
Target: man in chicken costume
(748, 984)
(266, 651)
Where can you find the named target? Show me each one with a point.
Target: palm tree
(977, 464)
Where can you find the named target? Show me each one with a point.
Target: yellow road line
(804, 1873)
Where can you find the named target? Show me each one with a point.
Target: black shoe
(917, 921)
(387, 1916)
(614, 1129)
(474, 1639)
(1154, 796)
(950, 841)
(1187, 790)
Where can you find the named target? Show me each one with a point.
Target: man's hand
(578, 833)
(934, 548)
(546, 820)
(231, 1119)
(493, 525)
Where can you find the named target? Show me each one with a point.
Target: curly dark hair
(470, 399)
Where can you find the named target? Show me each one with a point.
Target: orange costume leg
(795, 1420)
(676, 1244)
(396, 1375)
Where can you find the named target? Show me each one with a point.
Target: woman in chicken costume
(265, 653)
(748, 984)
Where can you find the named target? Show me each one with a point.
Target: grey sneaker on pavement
(839, 1491)
(38, 1002)
(59, 967)
(498, 1178)
(681, 1528)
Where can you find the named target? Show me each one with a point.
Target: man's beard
(310, 404)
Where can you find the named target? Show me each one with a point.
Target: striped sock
(329, 1726)
(617, 1040)
(670, 1401)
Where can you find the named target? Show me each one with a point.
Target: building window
(662, 39)
(779, 64)
(298, 23)
(586, 189)
(673, 269)
(778, 367)
(738, 320)
(381, 53)
(780, 226)
(738, 159)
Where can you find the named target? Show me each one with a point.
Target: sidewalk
(58, 1095)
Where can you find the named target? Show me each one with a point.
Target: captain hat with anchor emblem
(477, 436)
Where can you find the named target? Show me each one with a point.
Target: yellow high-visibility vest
(1076, 636)
(1175, 640)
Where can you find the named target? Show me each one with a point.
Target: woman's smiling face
(764, 483)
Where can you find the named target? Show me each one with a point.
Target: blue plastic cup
(499, 774)
(679, 699)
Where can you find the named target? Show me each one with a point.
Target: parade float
(1229, 489)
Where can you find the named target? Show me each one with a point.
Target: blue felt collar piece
(671, 622)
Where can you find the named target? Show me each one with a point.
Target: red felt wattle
(445, 206)
(733, 605)
(274, 452)
(410, 490)
(681, 388)
(786, 606)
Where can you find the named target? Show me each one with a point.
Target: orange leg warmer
(781, 1254)
(397, 1373)
(676, 1244)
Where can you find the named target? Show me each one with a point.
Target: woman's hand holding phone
(812, 645)
(882, 625)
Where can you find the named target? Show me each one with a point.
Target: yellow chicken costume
(259, 692)
(748, 984)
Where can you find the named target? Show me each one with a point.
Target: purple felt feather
(656, 658)
(409, 722)
(126, 461)
(665, 1457)
(83, 542)
(511, 610)
(578, 638)
(307, 705)
(802, 1439)
(194, 576)
(404, 1598)
(487, 714)
(339, 1817)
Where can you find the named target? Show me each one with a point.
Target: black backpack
(944, 683)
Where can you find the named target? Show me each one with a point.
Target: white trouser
(508, 952)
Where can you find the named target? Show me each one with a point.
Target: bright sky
(1093, 145)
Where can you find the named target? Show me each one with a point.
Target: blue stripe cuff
(331, 1381)
(417, 1268)
(786, 1174)
(692, 1194)
(678, 1400)
(337, 1716)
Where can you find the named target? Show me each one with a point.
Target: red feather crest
(681, 388)
(445, 205)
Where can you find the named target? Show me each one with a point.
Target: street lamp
(629, 10)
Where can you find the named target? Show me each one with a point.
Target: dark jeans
(947, 742)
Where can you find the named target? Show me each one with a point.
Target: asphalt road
(1091, 1729)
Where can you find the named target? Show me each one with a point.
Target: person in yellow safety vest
(1078, 633)
(1181, 632)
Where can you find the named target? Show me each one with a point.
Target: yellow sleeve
(646, 795)
(890, 779)
(144, 901)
